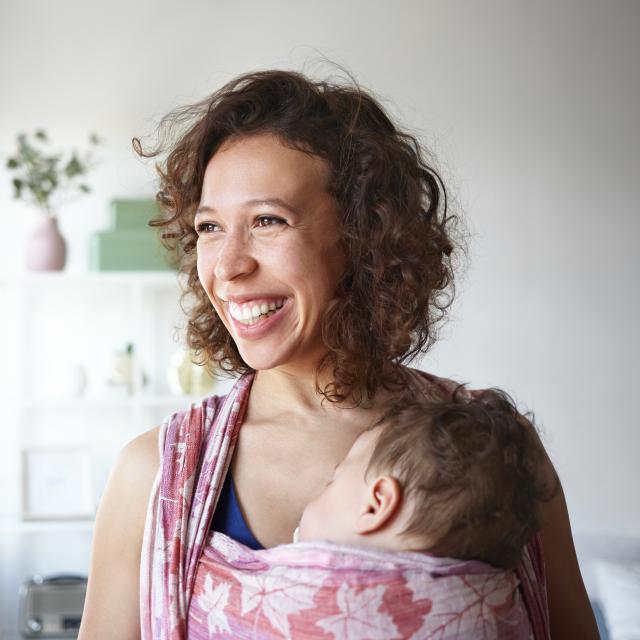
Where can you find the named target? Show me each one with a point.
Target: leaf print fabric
(324, 590)
(360, 614)
(212, 601)
(199, 584)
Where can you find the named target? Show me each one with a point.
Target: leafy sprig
(40, 174)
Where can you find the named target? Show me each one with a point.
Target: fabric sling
(195, 583)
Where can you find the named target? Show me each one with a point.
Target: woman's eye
(261, 222)
(268, 221)
(206, 227)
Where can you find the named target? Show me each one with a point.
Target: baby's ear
(380, 506)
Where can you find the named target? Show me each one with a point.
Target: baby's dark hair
(475, 469)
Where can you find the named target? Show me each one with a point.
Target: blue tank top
(227, 518)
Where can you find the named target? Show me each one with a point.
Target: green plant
(40, 173)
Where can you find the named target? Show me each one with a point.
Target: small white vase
(186, 377)
(46, 248)
(66, 381)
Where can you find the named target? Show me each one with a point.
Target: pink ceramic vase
(46, 248)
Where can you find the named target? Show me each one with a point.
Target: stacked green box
(130, 245)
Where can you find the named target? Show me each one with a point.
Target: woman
(319, 236)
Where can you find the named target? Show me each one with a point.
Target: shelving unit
(57, 321)
(62, 320)
(105, 402)
(47, 526)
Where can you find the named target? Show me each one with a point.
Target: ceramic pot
(46, 248)
(186, 377)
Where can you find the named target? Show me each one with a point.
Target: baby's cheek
(303, 525)
(311, 521)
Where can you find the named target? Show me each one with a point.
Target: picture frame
(57, 484)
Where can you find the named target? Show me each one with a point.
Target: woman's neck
(288, 389)
(282, 390)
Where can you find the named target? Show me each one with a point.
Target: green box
(133, 214)
(128, 250)
(131, 244)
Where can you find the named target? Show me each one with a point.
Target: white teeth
(252, 312)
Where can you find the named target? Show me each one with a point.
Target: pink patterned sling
(197, 584)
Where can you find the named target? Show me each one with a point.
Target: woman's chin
(271, 354)
(262, 359)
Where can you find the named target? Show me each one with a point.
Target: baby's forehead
(366, 440)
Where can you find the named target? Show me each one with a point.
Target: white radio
(51, 606)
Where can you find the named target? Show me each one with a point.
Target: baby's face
(333, 514)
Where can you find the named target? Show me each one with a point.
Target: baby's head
(462, 479)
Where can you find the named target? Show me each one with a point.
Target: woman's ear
(381, 505)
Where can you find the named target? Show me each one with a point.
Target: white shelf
(46, 526)
(170, 401)
(63, 279)
(110, 402)
(37, 404)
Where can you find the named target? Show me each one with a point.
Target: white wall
(531, 109)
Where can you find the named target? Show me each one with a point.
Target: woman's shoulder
(130, 484)
(137, 464)
(142, 452)
(194, 421)
(190, 427)
(111, 604)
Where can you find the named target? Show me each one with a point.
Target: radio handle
(63, 577)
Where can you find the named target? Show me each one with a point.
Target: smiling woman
(342, 186)
(317, 243)
(255, 250)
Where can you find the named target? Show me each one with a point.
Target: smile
(254, 311)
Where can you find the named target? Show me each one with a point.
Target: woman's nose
(234, 259)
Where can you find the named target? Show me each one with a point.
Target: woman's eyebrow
(273, 202)
(265, 202)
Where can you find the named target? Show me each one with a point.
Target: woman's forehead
(260, 172)
(264, 160)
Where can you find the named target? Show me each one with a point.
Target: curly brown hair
(475, 470)
(395, 227)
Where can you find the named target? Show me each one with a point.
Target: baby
(461, 479)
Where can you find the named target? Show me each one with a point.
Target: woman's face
(268, 248)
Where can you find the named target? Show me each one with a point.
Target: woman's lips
(261, 327)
